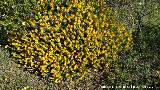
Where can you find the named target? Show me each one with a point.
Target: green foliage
(131, 69)
(66, 41)
(13, 15)
(149, 40)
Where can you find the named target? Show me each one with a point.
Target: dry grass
(14, 78)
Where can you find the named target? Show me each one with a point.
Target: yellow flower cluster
(68, 40)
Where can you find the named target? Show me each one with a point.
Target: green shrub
(67, 40)
(14, 15)
(151, 36)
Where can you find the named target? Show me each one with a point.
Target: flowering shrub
(68, 40)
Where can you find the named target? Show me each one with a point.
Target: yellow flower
(25, 88)
(39, 46)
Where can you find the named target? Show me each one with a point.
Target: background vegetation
(139, 67)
